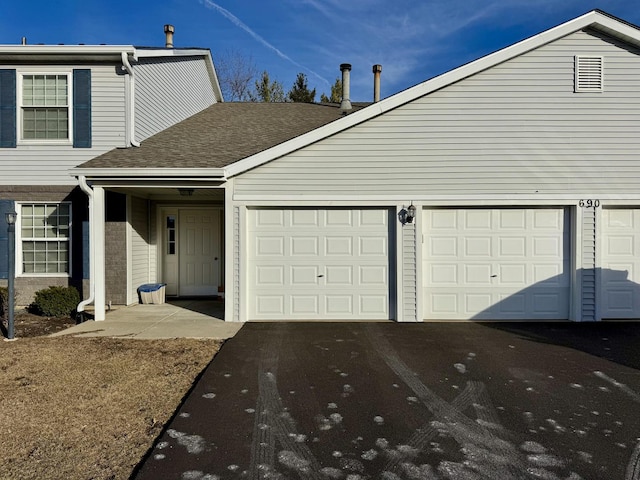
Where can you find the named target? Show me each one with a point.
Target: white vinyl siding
(496, 264)
(139, 262)
(516, 128)
(409, 272)
(36, 164)
(588, 271)
(168, 90)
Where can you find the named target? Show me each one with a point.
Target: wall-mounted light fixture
(411, 213)
(407, 214)
(11, 217)
(185, 192)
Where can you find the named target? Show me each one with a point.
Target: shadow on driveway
(409, 401)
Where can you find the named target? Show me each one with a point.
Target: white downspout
(131, 99)
(82, 180)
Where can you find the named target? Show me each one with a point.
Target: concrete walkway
(177, 319)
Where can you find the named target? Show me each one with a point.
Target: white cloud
(240, 24)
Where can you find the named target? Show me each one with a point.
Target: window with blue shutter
(82, 108)
(7, 108)
(5, 207)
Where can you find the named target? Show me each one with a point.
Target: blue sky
(413, 39)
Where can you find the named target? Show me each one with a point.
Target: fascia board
(591, 19)
(159, 173)
(171, 52)
(97, 50)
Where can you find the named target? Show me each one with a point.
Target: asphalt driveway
(411, 401)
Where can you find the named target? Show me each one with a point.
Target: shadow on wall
(618, 342)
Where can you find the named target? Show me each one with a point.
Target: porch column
(98, 221)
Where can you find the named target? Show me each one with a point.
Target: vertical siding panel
(236, 264)
(139, 262)
(409, 273)
(588, 264)
(168, 90)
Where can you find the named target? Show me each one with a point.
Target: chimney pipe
(168, 31)
(24, 40)
(345, 105)
(377, 69)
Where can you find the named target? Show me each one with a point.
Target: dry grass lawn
(89, 408)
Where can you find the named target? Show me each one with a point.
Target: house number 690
(589, 203)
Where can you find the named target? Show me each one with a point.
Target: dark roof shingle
(221, 135)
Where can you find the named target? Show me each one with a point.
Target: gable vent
(589, 74)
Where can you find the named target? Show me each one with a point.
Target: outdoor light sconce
(11, 218)
(406, 215)
(185, 192)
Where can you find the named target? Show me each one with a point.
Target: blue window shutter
(5, 206)
(7, 108)
(82, 108)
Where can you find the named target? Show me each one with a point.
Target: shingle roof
(221, 135)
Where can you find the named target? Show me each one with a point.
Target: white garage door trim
(496, 263)
(319, 263)
(620, 263)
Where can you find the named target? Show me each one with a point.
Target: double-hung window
(45, 107)
(45, 238)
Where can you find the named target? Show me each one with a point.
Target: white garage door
(620, 260)
(496, 264)
(308, 263)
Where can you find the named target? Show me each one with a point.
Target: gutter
(131, 99)
(82, 181)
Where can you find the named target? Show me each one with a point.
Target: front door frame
(163, 210)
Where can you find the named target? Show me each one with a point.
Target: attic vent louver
(589, 74)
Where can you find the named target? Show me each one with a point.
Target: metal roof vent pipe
(377, 69)
(168, 32)
(24, 40)
(345, 105)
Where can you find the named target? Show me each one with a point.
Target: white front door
(310, 263)
(191, 258)
(496, 264)
(620, 273)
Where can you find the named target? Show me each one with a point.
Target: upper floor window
(45, 107)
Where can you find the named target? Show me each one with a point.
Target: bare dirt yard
(88, 408)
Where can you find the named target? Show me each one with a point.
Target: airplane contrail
(239, 23)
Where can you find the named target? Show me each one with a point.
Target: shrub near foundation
(4, 302)
(55, 302)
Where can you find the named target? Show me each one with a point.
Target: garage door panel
(270, 246)
(342, 246)
(270, 304)
(509, 260)
(318, 263)
(303, 246)
(620, 273)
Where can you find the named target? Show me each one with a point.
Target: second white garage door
(620, 273)
(496, 264)
(308, 264)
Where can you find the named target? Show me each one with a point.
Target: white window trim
(20, 106)
(18, 243)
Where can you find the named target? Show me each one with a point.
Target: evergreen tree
(300, 91)
(267, 90)
(336, 93)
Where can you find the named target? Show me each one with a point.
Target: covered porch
(168, 229)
